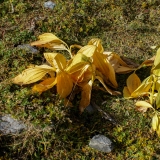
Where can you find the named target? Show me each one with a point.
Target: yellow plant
(88, 64)
(150, 87)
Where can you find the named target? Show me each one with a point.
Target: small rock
(8, 125)
(28, 48)
(101, 143)
(49, 4)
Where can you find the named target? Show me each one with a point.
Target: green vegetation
(128, 28)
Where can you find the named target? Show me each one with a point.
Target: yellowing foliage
(89, 63)
(80, 70)
(150, 87)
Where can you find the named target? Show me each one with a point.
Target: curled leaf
(51, 41)
(142, 106)
(47, 38)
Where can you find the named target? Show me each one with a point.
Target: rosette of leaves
(88, 64)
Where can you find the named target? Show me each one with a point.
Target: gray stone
(9, 125)
(101, 143)
(28, 48)
(49, 4)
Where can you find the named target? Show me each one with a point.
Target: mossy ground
(126, 27)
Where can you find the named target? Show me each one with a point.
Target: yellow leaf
(32, 74)
(102, 64)
(64, 84)
(45, 85)
(89, 73)
(87, 50)
(107, 89)
(83, 74)
(45, 67)
(155, 122)
(118, 64)
(85, 96)
(77, 77)
(57, 46)
(79, 67)
(56, 60)
(46, 38)
(158, 99)
(115, 64)
(126, 93)
(97, 43)
(78, 62)
(133, 82)
(142, 106)
(157, 85)
(156, 71)
(113, 57)
(50, 41)
(143, 88)
(158, 126)
(156, 68)
(157, 58)
(53, 46)
(158, 130)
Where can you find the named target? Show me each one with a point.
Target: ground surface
(126, 27)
